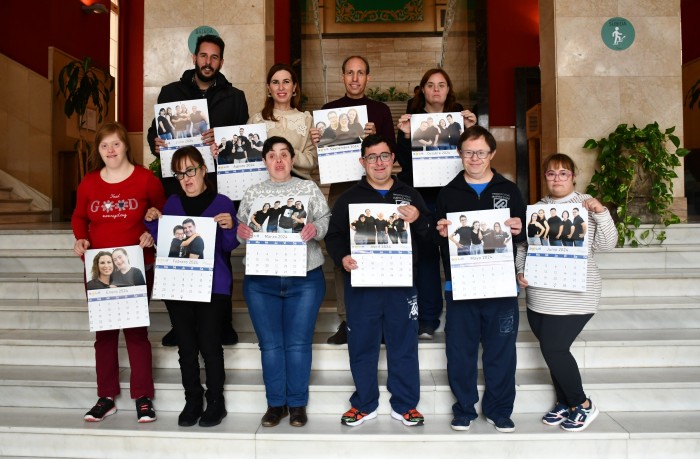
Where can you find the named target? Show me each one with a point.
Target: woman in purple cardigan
(197, 326)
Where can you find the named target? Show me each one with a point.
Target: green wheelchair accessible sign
(198, 32)
(617, 34)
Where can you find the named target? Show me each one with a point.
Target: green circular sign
(617, 34)
(198, 32)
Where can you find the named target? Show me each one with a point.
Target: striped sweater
(603, 236)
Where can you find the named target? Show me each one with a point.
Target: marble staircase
(640, 359)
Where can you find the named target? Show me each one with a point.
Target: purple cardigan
(225, 238)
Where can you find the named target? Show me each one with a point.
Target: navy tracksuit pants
(393, 313)
(493, 322)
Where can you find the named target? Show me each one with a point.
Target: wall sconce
(96, 8)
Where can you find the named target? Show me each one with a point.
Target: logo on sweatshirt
(500, 200)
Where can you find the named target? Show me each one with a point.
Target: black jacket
(458, 196)
(227, 105)
(338, 235)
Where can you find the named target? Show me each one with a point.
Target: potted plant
(82, 84)
(634, 178)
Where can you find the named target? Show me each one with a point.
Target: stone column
(589, 89)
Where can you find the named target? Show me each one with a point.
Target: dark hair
(272, 141)
(214, 39)
(355, 57)
(194, 155)
(177, 228)
(372, 140)
(476, 132)
(559, 159)
(565, 212)
(267, 113)
(95, 263)
(462, 216)
(188, 220)
(419, 100)
(95, 161)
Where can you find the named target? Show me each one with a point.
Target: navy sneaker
(556, 415)
(505, 425)
(425, 332)
(580, 418)
(144, 410)
(460, 424)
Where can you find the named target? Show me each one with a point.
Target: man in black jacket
(227, 105)
(491, 322)
(373, 311)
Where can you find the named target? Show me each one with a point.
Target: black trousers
(556, 334)
(197, 328)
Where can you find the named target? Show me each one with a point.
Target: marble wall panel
(165, 55)
(636, 8)
(576, 8)
(585, 160)
(649, 99)
(246, 12)
(162, 14)
(587, 106)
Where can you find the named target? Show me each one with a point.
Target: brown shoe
(274, 415)
(297, 416)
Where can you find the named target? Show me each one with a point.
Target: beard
(204, 78)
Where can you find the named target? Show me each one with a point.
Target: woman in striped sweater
(557, 317)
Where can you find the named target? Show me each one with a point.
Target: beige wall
(25, 121)
(588, 89)
(168, 23)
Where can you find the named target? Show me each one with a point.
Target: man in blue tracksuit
(493, 322)
(376, 311)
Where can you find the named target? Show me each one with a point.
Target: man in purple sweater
(355, 78)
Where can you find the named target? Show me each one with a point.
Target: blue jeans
(476, 249)
(578, 243)
(283, 311)
(555, 242)
(283, 230)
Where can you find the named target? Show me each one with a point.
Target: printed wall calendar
(276, 248)
(181, 124)
(339, 148)
(116, 288)
(481, 254)
(185, 258)
(380, 243)
(557, 252)
(239, 164)
(434, 142)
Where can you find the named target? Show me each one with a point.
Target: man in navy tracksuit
(493, 322)
(376, 311)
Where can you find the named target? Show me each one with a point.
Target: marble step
(616, 283)
(677, 256)
(632, 312)
(49, 433)
(620, 389)
(592, 349)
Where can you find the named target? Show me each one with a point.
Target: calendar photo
(239, 164)
(341, 138)
(180, 124)
(380, 243)
(557, 252)
(116, 288)
(481, 254)
(434, 143)
(185, 258)
(276, 248)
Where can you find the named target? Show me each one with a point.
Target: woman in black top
(568, 231)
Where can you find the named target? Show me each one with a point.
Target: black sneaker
(425, 332)
(341, 336)
(229, 337)
(215, 412)
(169, 339)
(144, 410)
(103, 408)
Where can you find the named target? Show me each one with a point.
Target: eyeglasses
(563, 175)
(190, 172)
(468, 154)
(371, 159)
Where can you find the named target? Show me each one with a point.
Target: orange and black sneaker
(410, 418)
(355, 417)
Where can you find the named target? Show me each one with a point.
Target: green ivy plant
(81, 83)
(635, 163)
(387, 95)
